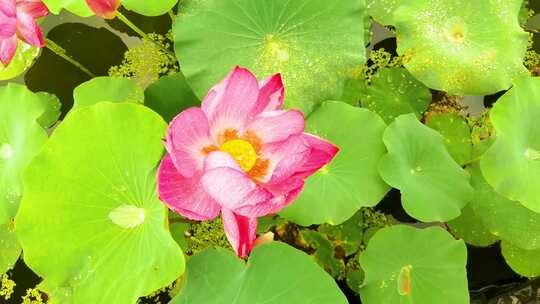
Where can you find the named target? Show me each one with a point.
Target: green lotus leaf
(470, 227)
(324, 252)
(113, 89)
(170, 95)
(77, 7)
(512, 164)
(522, 261)
(433, 186)
(149, 7)
(348, 235)
(404, 265)
(464, 48)
(52, 109)
(276, 273)
(22, 60)
(456, 134)
(315, 45)
(507, 219)
(21, 138)
(393, 92)
(383, 10)
(350, 181)
(159, 25)
(91, 194)
(9, 245)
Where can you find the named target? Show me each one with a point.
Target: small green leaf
(52, 109)
(324, 253)
(149, 7)
(21, 138)
(178, 231)
(112, 89)
(85, 193)
(509, 220)
(9, 245)
(77, 7)
(522, 261)
(22, 60)
(317, 45)
(456, 134)
(348, 235)
(159, 25)
(393, 92)
(470, 227)
(276, 273)
(170, 95)
(355, 278)
(433, 186)
(463, 48)
(512, 164)
(402, 264)
(350, 181)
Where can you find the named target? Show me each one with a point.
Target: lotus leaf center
(456, 30)
(242, 152)
(276, 49)
(127, 216)
(532, 154)
(6, 151)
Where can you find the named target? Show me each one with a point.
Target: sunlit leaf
(393, 92)
(52, 109)
(522, 261)
(276, 273)
(77, 7)
(402, 265)
(464, 48)
(507, 219)
(111, 89)
(351, 180)
(433, 186)
(22, 60)
(316, 45)
(512, 164)
(150, 7)
(21, 138)
(456, 134)
(91, 194)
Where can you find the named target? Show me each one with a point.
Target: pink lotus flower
(18, 21)
(104, 8)
(239, 154)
